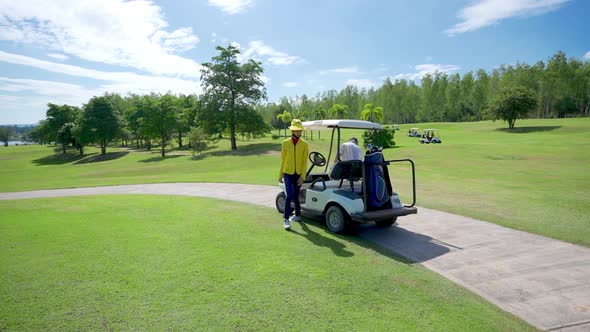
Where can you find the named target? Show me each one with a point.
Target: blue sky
(66, 51)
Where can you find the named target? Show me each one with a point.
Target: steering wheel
(317, 159)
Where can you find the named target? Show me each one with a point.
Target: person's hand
(300, 181)
(281, 180)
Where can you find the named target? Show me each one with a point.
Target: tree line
(227, 107)
(560, 88)
(233, 104)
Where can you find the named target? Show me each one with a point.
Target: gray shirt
(350, 151)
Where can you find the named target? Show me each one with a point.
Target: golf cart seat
(351, 170)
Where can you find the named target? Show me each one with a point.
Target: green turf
(533, 178)
(178, 263)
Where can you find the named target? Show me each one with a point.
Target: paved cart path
(544, 281)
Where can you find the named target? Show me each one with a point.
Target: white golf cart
(430, 136)
(413, 132)
(351, 191)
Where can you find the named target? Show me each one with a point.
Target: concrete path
(545, 282)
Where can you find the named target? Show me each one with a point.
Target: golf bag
(377, 181)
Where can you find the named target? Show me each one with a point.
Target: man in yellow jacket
(293, 167)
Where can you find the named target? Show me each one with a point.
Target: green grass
(179, 263)
(534, 178)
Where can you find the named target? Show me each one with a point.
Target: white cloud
(482, 13)
(120, 82)
(587, 55)
(259, 51)
(125, 33)
(361, 83)
(46, 88)
(290, 84)
(343, 70)
(58, 56)
(427, 68)
(231, 7)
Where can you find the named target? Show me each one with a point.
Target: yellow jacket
(293, 157)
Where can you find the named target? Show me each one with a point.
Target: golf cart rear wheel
(336, 219)
(280, 202)
(386, 223)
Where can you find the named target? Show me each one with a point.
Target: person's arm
(305, 153)
(283, 157)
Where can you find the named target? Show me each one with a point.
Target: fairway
(533, 178)
(160, 262)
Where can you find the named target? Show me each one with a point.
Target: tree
(371, 113)
(57, 116)
(338, 111)
(513, 103)
(65, 136)
(197, 140)
(285, 118)
(100, 122)
(160, 120)
(5, 134)
(232, 86)
(251, 123)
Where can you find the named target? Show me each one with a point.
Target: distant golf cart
(353, 191)
(413, 132)
(430, 136)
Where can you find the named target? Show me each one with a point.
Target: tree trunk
(234, 147)
(103, 147)
(179, 139)
(81, 149)
(163, 148)
(63, 148)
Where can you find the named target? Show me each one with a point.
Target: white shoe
(287, 224)
(295, 218)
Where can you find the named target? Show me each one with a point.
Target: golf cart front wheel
(386, 223)
(280, 202)
(336, 220)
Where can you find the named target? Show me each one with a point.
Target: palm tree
(338, 111)
(371, 113)
(318, 114)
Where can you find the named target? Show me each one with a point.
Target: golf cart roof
(414, 128)
(346, 123)
(430, 129)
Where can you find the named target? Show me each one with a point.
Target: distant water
(17, 143)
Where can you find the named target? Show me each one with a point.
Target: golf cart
(413, 132)
(430, 136)
(352, 191)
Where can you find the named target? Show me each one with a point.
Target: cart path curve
(543, 281)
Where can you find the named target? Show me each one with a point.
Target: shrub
(383, 138)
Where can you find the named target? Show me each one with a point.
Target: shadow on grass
(338, 248)
(100, 158)
(524, 130)
(59, 159)
(247, 150)
(159, 158)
